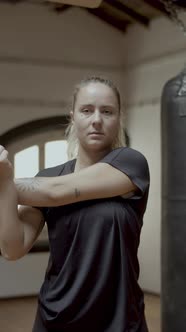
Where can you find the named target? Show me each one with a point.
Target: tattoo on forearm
(77, 192)
(28, 184)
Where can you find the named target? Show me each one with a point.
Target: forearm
(47, 191)
(37, 191)
(11, 228)
(94, 182)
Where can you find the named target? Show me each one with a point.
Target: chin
(98, 147)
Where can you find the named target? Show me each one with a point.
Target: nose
(96, 117)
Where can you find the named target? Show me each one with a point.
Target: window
(55, 153)
(34, 146)
(27, 161)
(26, 164)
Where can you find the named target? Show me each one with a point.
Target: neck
(88, 158)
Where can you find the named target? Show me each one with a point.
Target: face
(96, 117)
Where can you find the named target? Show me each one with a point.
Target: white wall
(153, 56)
(44, 54)
(70, 46)
(144, 130)
(22, 277)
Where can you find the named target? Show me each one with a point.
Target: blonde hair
(72, 140)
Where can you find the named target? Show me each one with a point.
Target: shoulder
(126, 153)
(130, 161)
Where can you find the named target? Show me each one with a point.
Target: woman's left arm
(100, 180)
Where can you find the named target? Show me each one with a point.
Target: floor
(17, 315)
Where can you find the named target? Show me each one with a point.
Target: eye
(85, 110)
(107, 111)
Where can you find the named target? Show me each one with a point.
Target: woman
(93, 206)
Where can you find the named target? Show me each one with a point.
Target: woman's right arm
(18, 228)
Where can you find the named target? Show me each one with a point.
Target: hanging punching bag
(173, 235)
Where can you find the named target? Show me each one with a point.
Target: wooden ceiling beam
(128, 11)
(60, 8)
(157, 5)
(98, 12)
(13, 2)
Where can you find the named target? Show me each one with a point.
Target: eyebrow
(102, 106)
(86, 105)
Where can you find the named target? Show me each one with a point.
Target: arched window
(46, 153)
(34, 146)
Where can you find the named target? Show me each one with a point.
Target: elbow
(55, 199)
(11, 256)
(8, 257)
(58, 192)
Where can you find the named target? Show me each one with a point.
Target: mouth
(96, 133)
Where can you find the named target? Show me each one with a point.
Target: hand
(6, 169)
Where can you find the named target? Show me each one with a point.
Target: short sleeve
(133, 164)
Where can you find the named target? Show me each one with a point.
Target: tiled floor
(17, 315)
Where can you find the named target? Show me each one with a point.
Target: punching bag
(173, 231)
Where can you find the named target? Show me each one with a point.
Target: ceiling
(117, 13)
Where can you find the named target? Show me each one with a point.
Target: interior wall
(154, 56)
(44, 54)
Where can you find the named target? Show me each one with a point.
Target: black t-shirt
(91, 282)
